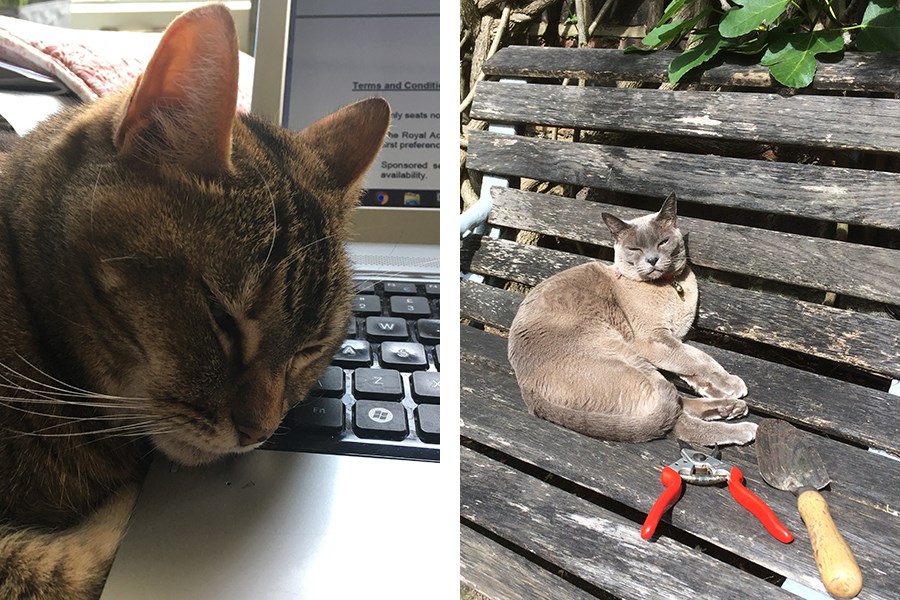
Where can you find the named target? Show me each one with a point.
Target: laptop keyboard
(381, 394)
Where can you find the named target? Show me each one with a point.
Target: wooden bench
(799, 267)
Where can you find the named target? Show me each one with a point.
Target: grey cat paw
(743, 433)
(732, 410)
(718, 386)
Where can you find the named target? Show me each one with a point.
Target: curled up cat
(587, 345)
(173, 279)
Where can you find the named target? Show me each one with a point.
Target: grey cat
(587, 343)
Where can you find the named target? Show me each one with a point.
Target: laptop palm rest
(278, 525)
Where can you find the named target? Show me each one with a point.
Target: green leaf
(695, 56)
(880, 28)
(751, 15)
(664, 34)
(792, 59)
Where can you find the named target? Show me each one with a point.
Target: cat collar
(699, 468)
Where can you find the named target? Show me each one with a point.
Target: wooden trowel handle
(837, 566)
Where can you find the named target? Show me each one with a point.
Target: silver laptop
(352, 512)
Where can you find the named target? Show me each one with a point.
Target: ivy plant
(787, 35)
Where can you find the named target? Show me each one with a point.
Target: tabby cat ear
(182, 108)
(666, 214)
(615, 224)
(350, 139)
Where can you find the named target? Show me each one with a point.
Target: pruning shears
(699, 468)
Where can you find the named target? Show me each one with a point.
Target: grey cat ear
(350, 139)
(666, 214)
(615, 224)
(182, 107)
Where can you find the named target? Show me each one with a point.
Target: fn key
(321, 415)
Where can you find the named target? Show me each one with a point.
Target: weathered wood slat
(487, 304)
(594, 544)
(854, 412)
(629, 473)
(872, 72)
(862, 477)
(842, 195)
(766, 118)
(789, 258)
(865, 341)
(500, 574)
(844, 336)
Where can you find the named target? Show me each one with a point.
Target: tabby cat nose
(652, 260)
(249, 436)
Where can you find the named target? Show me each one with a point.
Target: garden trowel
(788, 462)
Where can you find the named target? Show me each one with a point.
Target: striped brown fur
(172, 278)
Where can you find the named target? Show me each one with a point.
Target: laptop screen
(306, 69)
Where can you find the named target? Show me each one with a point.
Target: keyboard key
(330, 384)
(321, 415)
(428, 423)
(382, 420)
(429, 331)
(353, 354)
(386, 328)
(392, 288)
(433, 290)
(378, 384)
(437, 357)
(366, 305)
(410, 306)
(351, 328)
(426, 387)
(406, 356)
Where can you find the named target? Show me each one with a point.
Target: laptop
(348, 501)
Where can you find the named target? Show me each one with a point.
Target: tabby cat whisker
(74, 390)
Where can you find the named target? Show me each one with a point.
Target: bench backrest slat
(819, 263)
(866, 124)
(854, 196)
(873, 72)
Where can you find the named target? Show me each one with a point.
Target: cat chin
(190, 455)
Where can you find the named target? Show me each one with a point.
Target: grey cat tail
(615, 427)
(68, 565)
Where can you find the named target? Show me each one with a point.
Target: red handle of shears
(672, 480)
(755, 505)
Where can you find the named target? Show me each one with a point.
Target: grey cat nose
(249, 436)
(652, 260)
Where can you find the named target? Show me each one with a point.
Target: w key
(386, 328)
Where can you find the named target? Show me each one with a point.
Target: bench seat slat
(789, 258)
(590, 542)
(864, 341)
(865, 124)
(873, 72)
(836, 194)
(629, 474)
(497, 572)
(864, 415)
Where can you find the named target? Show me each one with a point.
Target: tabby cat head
(649, 247)
(192, 259)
